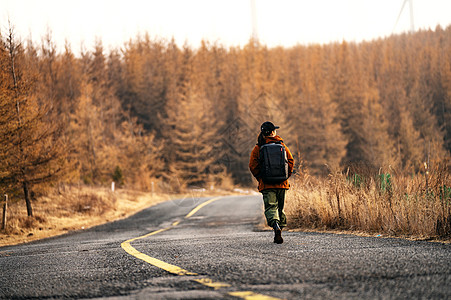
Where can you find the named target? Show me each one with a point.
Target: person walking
(273, 191)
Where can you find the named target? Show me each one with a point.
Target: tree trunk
(26, 190)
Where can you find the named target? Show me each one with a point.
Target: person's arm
(254, 165)
(290, 161)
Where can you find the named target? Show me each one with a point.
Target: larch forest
(154, 112)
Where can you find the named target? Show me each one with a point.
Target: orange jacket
(254, 166)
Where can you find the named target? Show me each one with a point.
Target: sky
(226, 22)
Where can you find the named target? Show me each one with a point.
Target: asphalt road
(218, 253)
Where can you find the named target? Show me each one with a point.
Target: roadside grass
(416, 206)
(72, 208)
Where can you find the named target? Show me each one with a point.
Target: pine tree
(148, 68)
(87, 127)
(347, 94)
(388, 76)
(421, 109)
(445, 77)
(409, 144)
(31, 152)
(377, 149)
(320, 136)
(140, 156)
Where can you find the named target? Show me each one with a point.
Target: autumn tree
(148, 66)
(387, 74)
(320, 134)
(444, 100)
(86, 125)
(190, 129)
(31, 152)
(421, 107)
(346, 93)
(140, 155)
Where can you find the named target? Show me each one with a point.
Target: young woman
(273, 193)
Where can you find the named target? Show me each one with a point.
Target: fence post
(426, 167)
(5, 207)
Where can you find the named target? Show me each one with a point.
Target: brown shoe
(277, 234)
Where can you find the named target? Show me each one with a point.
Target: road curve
(209, 248)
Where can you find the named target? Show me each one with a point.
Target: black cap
(268, 127)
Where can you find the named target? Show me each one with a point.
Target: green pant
(274, 200)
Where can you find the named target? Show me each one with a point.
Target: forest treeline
(152, 112)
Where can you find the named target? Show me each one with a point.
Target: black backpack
(273, 163)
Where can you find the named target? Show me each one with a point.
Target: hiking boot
(277, 234)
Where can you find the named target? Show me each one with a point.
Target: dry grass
(72, 208)
(416, 207)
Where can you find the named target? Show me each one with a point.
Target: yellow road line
(153, 261)
(251, 296)
(163, 265)
(210, 283)
(247, 295)
(196, 209)
(144, 236)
